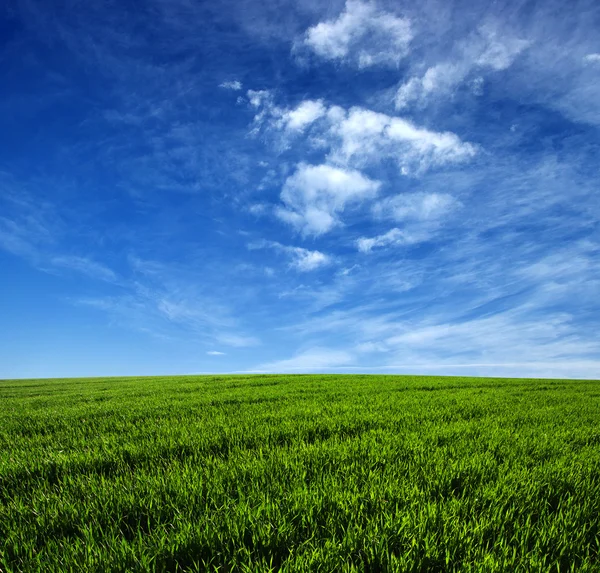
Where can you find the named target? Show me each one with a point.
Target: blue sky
(238, 186)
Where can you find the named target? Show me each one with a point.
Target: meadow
(299, 473)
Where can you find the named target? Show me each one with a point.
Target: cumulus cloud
(303, 260)
(359, 137)
(442, 78)
(361, 35)
(364, 136)
(306, 113)
(234, 85)
(485, 51)
(592, 58)
(315, 194)
(291, 120)
(258, 97)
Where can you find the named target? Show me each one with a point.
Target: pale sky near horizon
(241, 186)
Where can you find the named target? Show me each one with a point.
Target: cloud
(233, 85)
(85, 266)
(422, 215)
(303, 260)
(310, 360)
(33, 231)
(483, 51)
(315, 194)
(497, 53)
(415, 206)
(259, 97)
(28, 227)
(215, 353)
(491, 338)
(314, 197)
(362, 36)
(168, 300)
(238, 341)
(360, 137)
(292, 120)
(394, 237)
(592, 58)
(367, 137)
(306, 113)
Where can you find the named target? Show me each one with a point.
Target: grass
(299, 473)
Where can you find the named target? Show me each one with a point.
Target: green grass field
(299, 473)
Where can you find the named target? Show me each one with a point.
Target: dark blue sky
(298, 186)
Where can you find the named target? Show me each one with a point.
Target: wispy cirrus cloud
(85, 266)
(422, 215)
(419, 206)
(485, 51)
(393, 237)
(311, 360)
(35, 231)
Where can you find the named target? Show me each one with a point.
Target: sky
(302, 186)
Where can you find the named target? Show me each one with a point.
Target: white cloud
(310, 360)
(484, 51)
(303, 260)
(258, 209)
(290, 121)
(370, 347)
(215, 353)
(365, 137)
(492, 338)
(439, 78)
(393, 237)
(259, 97)
(498, 53)
(361, 35)
(315, 194)
(85, 266)
(234, 85)
(237, 340)
(415, 206)
(358, 137)
(477, 86)
(306, 113)
(592, 58)
(262, 102)
(306, 260)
